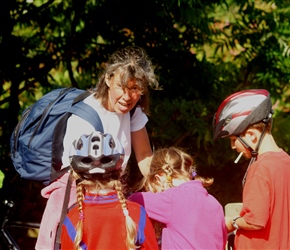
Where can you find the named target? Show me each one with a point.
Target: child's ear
(252, 134)
(158, 178)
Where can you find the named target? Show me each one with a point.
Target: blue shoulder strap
(141, 227)
(87, 113)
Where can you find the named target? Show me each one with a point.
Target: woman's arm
(142, 149)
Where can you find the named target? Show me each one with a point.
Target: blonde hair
(95, 185)
(175, 163)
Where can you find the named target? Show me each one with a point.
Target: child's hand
(229, 224)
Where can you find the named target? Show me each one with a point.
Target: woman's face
(122, 100)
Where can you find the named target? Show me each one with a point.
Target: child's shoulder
(135, 208)
(133, 204)
(272, 156)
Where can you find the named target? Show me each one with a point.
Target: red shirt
(266, 203)
(104, 224)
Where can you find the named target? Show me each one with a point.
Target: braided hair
(99, 182)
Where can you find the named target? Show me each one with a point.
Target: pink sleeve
(157, 205)
(52, 212)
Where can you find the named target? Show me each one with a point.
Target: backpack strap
(81, 97)
(87, 113)
(63, 212)
(141, 227)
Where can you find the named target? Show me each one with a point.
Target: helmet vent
(79, 144)
(96, 138)
(105, 160)
(86, 160)
(227, 121)
(112, 143)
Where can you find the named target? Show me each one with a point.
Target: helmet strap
(254, 153)
(244, 143)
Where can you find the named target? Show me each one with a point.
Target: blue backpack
(36, 145)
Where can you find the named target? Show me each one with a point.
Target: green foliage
(281, 130)
(2, 176)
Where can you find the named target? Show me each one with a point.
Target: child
(102, 217)
(192, 218)
(245, 117)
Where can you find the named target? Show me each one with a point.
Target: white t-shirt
(118, 125)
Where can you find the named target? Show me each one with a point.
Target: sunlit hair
(95, 185)
(174, 163)
(130, 63)
(206, 181)
(260, 126)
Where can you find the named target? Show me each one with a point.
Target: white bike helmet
(96, 153)
(240, 110)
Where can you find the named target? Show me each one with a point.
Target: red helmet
(240, 110)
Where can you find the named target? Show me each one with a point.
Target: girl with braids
(102, 218)
(121, 99)
(177, 198)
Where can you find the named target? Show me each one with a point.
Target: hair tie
(125, 212)
(81, 215)
(194, 174)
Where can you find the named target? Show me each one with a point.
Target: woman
(122, 86)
